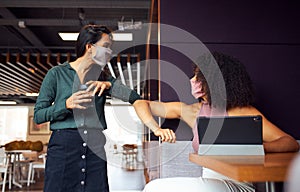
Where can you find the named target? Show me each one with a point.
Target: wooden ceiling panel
(29, 41)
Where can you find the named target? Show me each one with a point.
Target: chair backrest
(43, 156)
(164, 160)
(30, 156)
(2, 156)
(174, 160)
(3, 161)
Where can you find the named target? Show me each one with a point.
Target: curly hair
(225, 81)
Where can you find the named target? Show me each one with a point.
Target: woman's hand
(78, 99)
(166, 135)
(98, 86)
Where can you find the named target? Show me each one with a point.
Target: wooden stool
(129, 157)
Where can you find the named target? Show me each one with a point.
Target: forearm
(283, 144)
(44, 113)
(144, 113)
(143, 110)
(120, 91)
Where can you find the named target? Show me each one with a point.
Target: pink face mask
(197, 90)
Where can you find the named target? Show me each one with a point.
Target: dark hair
(89, 34)
(239, 88)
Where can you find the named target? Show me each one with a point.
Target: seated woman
(234, 100)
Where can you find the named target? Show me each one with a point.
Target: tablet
(230, 135)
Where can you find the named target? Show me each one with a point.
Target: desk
(270, 168)
(14, 158)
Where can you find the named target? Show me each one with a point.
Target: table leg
(14, 173)
(267, 187)
(270, 186)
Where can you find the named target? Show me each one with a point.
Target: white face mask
(101, 56)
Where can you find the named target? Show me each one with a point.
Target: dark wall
(264, 35)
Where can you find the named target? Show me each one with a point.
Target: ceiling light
(8, 103)
(116, 36)
(32, 94)
(21, 24)
(68, 36)
(122, 36)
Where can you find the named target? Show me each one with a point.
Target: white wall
(14, 122)
(124, 126)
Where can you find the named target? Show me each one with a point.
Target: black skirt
(76, 161)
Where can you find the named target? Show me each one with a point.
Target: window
(13, 123)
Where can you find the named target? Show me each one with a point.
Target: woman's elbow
(297, 146)
(37, 117)
(293, 144)
(283, 144)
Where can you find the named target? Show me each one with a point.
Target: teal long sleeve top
(58, 85)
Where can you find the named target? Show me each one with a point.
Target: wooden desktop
(270, 168)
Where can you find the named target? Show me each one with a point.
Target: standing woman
(76, 159)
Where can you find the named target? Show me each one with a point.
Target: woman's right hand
(77, 99)
(166, 135)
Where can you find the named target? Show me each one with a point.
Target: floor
(130, 183)
(35, 187)
(121, 177)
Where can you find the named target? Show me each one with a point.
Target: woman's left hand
(98, 86)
